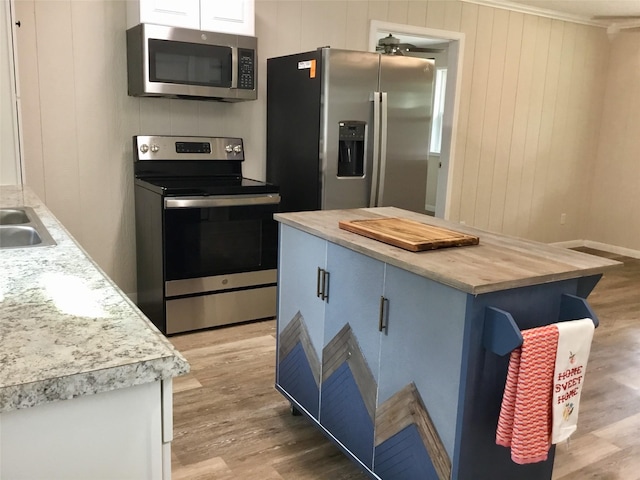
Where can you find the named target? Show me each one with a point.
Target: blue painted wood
(296, 377)
(354, 298)
(573, 307)
(404, 457)
(297, 269)
(423, 345)
(344, 414)
(501, 334)
(441, 348)
(587, 284)
(483, 378)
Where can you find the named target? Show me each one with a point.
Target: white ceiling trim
(542, 12)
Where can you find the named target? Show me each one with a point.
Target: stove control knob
(228, 148)
(144, 148)
(237, 149)
(154, 148)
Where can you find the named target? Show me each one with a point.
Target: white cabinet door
(228, 16)
(174, 13)
(110, 435)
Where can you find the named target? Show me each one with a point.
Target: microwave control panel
(246, 69)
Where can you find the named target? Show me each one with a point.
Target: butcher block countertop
(66, 330)
(498, 262)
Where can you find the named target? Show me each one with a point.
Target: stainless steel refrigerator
(349, 129)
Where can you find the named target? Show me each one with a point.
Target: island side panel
(150, 257)
(483, 378)
(300, 318)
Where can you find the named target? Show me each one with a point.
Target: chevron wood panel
(296, 332)
(344, 348)
(406, 408)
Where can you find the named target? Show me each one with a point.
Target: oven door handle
(221, 201)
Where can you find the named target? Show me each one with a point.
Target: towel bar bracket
(501, 333)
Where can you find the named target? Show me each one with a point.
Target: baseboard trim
(605, 247)
(569, 244)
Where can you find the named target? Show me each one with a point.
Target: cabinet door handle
(382, 325)
(325, 285)
(318, 285)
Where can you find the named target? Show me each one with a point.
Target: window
(438, 110)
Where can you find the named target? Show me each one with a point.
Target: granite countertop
(498, 263)
(66, 329)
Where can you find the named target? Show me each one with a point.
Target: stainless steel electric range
(206, 238)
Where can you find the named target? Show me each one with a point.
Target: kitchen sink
(13, 216)
(19, 237)
(21, 227)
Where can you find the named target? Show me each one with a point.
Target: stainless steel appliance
(206, 238)
(178, 62)
(349, 129)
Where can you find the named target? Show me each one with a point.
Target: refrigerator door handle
(383, 146)
(375, 97)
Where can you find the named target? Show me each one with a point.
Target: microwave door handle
(234, 67)
(221, 201)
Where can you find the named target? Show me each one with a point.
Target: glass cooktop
(211, 185)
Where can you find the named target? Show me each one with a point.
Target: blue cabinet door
(418, 386)
(351, 350)
(300, 317)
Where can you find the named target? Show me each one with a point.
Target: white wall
(9, 153)
(531, 104)
(614, 207)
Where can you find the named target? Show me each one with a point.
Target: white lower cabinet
(123, 434)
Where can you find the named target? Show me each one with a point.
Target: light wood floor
(230, 422)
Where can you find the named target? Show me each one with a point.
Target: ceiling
(608, 13)
(614, 14)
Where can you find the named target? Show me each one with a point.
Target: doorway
(451, 46)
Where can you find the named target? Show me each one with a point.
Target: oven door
(219, 235)
(220, 260)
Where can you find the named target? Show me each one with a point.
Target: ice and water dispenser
(351, 148)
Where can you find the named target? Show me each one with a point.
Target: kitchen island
(401, 357)
(86, 379)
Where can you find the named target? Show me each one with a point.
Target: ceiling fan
(391, 45)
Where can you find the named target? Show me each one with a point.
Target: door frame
(455, 48)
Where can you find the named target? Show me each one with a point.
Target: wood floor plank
(231, 423)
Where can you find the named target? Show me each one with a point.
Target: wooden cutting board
(408, 234)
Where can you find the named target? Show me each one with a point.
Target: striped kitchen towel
(525, 414)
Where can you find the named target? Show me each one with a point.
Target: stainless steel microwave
(182, 63)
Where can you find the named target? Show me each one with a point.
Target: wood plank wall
(615, 204)
(528, 128)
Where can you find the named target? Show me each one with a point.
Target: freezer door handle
(383, 146)
(375, 97)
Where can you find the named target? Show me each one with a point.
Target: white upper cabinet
(175, 13)
(226, 16)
